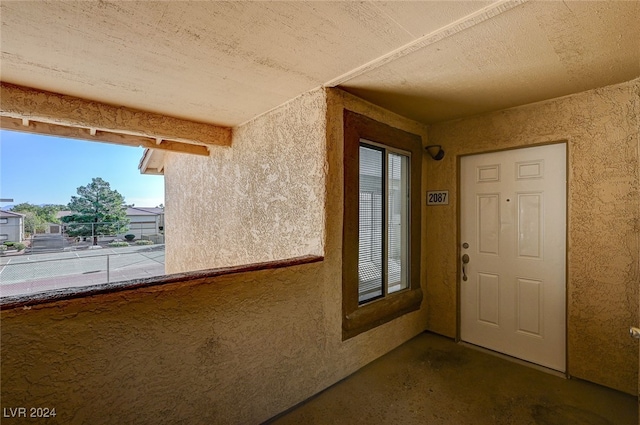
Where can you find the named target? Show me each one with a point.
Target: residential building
(260, 116)
(11, 226)
(146, 223)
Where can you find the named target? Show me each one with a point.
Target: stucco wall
(601, 129)
(260, 199)
(12, 228)
(236, 349)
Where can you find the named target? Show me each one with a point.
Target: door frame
(458, 263)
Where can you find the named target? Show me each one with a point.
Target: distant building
(144, 223)
(11, 226)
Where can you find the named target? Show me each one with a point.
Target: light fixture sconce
(435, 152)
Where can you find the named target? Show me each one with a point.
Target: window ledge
(28, 300)
(379, 312)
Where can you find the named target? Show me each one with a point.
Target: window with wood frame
(381, 233)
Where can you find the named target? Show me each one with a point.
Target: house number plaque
(438, 197)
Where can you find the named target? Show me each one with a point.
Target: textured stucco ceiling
(227, 62)
(536, 51)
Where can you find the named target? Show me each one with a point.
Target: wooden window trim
(361, 318)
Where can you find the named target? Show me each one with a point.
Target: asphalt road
(29, 273)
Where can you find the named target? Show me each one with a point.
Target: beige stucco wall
(601, 128)
(242, 348)
(234, 350)
(261, 199)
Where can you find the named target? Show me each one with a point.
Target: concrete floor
(433, 380)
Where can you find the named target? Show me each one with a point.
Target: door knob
(634, 332)
(465, 261)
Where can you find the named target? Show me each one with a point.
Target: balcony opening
(53, 240)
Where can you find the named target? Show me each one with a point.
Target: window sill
(379, 312)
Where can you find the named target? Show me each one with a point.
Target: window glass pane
(371, 225)
(398, 222)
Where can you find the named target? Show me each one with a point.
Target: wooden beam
(16, 124)
(29, 105)
(152, 162)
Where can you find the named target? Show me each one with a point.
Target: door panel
(529, 314)
(529, 225)
(513, 216)
(489, 223)
(489, 298)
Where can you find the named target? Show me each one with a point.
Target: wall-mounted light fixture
(435, 152)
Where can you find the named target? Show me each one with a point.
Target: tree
(96, 210)
(32, 223)
(37, 216)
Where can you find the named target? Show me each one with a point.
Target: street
(30, 273)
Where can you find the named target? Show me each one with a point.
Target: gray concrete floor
(433, 380)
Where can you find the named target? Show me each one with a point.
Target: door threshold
(515, 360)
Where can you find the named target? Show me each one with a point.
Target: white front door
(513, 236)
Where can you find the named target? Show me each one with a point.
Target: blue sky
(48, 170)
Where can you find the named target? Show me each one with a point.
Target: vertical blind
(383, 228)
(398, 222)
(371, 224)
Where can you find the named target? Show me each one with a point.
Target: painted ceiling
(225, 63)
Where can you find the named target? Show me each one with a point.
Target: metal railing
(77, 234)
(27, 274)
(113, 229)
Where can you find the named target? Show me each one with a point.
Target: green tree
(96, 210)
(37, 216)
(32, 223)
